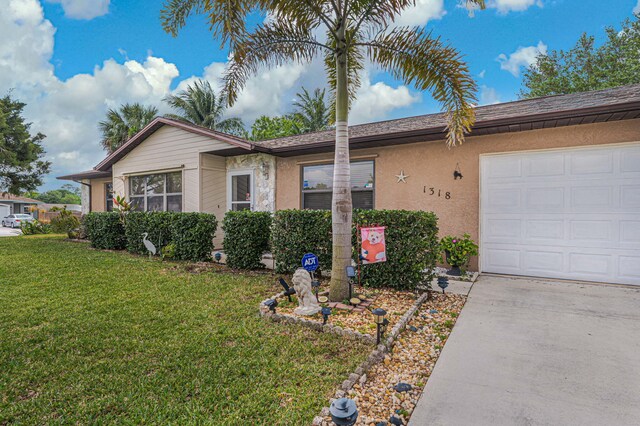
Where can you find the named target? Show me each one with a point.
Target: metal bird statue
(149, 245)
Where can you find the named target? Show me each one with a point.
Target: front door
(241, 190)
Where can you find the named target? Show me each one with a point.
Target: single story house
(549, 187)
(11, 204)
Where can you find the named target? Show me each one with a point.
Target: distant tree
(312, 111)
(274, 127)
(65, 195)
(21, 167)
(122, 124)
(200, 105)
(587, 67)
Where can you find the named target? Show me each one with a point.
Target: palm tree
(120, 125)
(200, 105)
(354, 30)
(312, 111)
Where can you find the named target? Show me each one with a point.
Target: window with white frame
(317, 185)
(156, 192)
(241, 188)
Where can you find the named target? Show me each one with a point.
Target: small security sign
(310, 262)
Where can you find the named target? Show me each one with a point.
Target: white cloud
(522, 57)
(506, 6)
(488, 95)
(83, 9)
(482, 73)
(421, 13)
(503, 6)
(375, 100)
(637, 8)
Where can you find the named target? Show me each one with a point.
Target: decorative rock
(395, 421)
(325, 411)
(317, 421)
(402, 387)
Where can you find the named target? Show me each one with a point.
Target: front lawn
(88, 336)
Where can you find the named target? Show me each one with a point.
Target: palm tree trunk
(341, 207)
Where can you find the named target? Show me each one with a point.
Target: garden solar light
(288, 291)
(351, 274)
(381, 321)
(326, 311)
(443, 282)
(218, 256)
(343, 412)
(272, 304)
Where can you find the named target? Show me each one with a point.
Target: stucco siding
(431, 165)
(98, 196)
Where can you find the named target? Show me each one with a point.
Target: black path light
(381, 322)
(217, 257)
(326, 311)
(443, 282)
(288, 291)
(351, 274)
(272, 304)
(343, 412)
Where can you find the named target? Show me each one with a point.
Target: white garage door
(5, 210)
(570, 213)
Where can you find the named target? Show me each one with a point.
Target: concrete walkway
(536, 352)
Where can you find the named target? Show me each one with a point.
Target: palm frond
(413, 56)
(272, 44)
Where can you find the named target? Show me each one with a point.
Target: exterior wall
(168, 149)
(264, 175)
(98, 196)
(431, 165)
(213, 193)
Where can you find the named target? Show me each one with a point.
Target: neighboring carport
(536, 352)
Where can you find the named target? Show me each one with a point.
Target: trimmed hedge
(156, 224)
(104, 230)
(296, 232)
(190, 233)
(411, 241)
(246, 238)
(412, 246)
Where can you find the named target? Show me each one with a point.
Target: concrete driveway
(8, 232)
(537, 352)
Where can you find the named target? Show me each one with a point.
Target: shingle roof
(517, 111)
(87, 174)
(17, 199)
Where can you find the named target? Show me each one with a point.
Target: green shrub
(35, 228)
(192, 234)
(246, 238)
(104, 230)
(411, 244)
(65, 223)
(156, 224)
(296, 232)
(412, 247)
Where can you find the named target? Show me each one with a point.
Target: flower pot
(455, 269)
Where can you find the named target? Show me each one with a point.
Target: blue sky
(70, 60)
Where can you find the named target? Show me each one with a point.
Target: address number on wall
(437, 192)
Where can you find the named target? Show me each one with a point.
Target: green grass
(92, 337)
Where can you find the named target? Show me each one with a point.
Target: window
(108, 193)
(317, 185)
(157, 192)
(241, 188)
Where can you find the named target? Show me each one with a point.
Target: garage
(563, 213)
(5, 210)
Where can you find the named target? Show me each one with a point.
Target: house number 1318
(438, 192)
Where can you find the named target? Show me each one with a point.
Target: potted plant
(458, 251)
